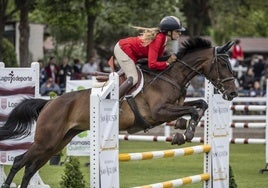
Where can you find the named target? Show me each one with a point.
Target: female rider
(150, 44)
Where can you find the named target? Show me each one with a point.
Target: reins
(160, 76)
(218, 83)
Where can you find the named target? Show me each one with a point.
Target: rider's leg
(129, 67)
(125, 86)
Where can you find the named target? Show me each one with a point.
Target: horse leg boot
(125, 86)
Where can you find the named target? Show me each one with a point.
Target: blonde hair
(147, 35)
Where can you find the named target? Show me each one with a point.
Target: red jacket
(133, 47)
(237, 52)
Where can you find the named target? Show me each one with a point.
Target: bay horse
(161, 100)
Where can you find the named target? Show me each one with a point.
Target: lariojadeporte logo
(12, 78)
(4, 103)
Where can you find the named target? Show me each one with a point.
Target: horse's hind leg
(42, 156)
(17, 165)
(31, 169)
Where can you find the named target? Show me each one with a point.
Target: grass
(246, 161)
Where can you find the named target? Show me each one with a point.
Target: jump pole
(104, 121)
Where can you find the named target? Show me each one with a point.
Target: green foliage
(9, 54)
(222, 19)
(238, 18)
(66, 19)
(232, 183)
(117, 16)
(52, 94)
(72, 177)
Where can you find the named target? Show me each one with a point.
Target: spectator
(237, 52)
(256, 90)
(52, 69)
(42, 73)
(90, 67)
(50, 86)
(246, 81)
(77, 67)
(64, 70)
(198, 84)
(258, 68)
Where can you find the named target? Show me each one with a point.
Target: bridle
(219, 82)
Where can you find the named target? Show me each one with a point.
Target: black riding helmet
(170, 23)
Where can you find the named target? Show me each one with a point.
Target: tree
(73, 176)
(25, 6)
(5, 15)
(117, 17)
(196, 13)
(93, 8)
(237, 18)
(9, 54)
(66, 22)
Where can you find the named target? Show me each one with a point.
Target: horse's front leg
(166, 112)
(200, 105)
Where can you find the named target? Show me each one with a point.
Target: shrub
(232, 183)
(9, 54)
(72, 177)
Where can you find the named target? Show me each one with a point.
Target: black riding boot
(125, 86)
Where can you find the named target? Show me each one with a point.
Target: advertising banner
(80, 144)
(109, 143)
(220, 141)
(16, 84)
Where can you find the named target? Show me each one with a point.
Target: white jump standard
(104, 143)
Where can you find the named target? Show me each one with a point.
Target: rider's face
(175, 34)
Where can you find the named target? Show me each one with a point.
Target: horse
(161, 100)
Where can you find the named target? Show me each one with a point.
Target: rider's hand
(172, 59)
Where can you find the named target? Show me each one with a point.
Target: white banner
(16, 84)
(77, 85)
(104, 127)
(80, 144)
(220, 141)
(109, 143)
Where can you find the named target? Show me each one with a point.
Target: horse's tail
(21, 118)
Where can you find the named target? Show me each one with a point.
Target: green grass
(246, 161)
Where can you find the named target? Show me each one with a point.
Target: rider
(150, 44)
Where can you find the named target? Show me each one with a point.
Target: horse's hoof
(189, 136)
(181, 124)
(178, 139)
(189, 133)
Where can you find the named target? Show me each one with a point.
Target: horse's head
(212, 62)
(220, 72)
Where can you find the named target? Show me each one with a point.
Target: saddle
(104, 77)
(139, 122)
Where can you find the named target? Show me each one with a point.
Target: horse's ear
(225, 47)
